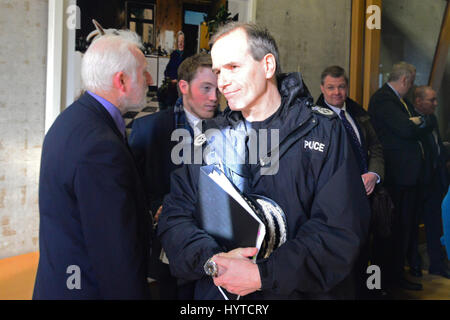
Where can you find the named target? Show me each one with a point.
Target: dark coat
(369, 140)
(325, 226)
(435, 186)
(399, 136)
(436, 157)
(92, 209)
(176, 58)
(150, 142)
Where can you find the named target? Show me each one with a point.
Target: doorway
(193, 16)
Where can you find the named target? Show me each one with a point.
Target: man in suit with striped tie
(364, 142)
(400, 129)
(367, 148)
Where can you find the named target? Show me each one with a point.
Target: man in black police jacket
(310, 181)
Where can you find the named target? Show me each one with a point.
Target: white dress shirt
(352, 122)
(194, 122)
(347, 115)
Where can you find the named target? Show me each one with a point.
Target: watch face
(211, 268)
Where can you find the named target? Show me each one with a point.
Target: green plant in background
(222, 17)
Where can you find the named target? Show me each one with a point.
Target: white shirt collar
(193, 121)
(335, 109)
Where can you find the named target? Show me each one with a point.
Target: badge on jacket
(200, 140)
(314, 146)
(323, 111)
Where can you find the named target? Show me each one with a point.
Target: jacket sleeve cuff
(378, 176)
(265, 274)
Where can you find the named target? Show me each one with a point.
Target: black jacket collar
(352, 107)
(295, 109)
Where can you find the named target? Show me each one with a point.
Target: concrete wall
(410, 32)
(23, 50)
(311, 35)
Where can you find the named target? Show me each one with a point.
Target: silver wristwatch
(211, 268)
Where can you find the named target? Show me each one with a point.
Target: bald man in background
(433, 189)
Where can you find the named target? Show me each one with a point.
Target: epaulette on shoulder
(324, 112)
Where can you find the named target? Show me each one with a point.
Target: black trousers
(430, 214)
(391, 253)
(166, 286)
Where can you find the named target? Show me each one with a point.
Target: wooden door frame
(364, 54)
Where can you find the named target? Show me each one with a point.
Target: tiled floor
(152, 107)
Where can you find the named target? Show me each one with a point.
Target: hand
(370, 181)
(158, 213)
(238, 274)
(239, 253)
(416, 120)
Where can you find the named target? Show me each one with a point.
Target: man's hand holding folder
(238, 274)
(242, 226)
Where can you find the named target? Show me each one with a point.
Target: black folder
(223, 217)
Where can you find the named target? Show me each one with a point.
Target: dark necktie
(356, 145)
(434, 143)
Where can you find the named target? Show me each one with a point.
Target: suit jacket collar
(353, 109)
(393, 90)
(349, 106)
(113, 111)
(92, 104)
(387, 89)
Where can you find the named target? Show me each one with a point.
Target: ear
(270, 65)
(119, 82)
(184, 86)
(405, 81)
(322, 88)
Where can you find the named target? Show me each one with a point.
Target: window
(141, 19)
(194, 18)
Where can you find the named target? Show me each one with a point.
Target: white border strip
(54, 61)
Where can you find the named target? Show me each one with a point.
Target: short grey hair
(401, 69)
(108, 55)
(260, 41)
